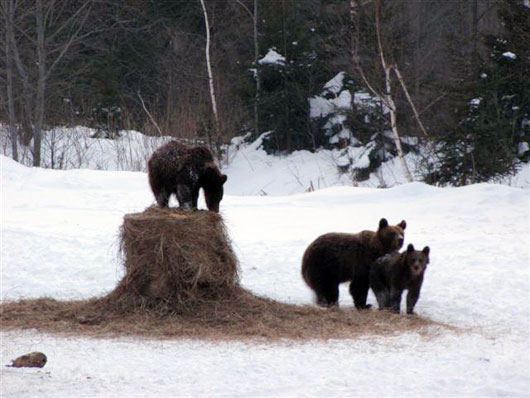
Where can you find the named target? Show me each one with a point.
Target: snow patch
(272, 58)
(523, 148)
(336, 84)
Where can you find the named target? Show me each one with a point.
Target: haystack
(175, 259)
(182, 281)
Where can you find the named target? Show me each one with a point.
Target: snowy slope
(297, 172)
(303, 171)
(59, 239)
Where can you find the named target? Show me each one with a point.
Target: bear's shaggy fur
(334, 258)
(393, 273)
(178, 169)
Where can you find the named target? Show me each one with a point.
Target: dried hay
(174, 259)
(241, 317)
(182, 281)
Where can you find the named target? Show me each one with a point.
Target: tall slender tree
(211, 84)
(48, 32)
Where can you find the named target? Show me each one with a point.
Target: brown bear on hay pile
(175, 259)
(178, 169)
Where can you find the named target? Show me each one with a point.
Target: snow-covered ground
(300, 171)
(59, 238)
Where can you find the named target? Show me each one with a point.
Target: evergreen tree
(494, 131)
(291, 28)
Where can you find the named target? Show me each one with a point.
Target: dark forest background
(140, 64)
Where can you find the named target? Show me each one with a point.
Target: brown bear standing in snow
(178, 169)
(339, 257)
(393, 273)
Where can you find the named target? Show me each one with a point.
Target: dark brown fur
(339, 257)
(392, 274)
(178, 169)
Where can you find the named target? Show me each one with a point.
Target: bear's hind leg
(359, 290)
(395, 299)
(162, 198)
(184, 196)
(328, 296)
(382, 297)
(379, 288)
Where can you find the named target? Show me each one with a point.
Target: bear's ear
(383, 223)
(224, 177)
(426, 251)
(402, 224)
(410, 248)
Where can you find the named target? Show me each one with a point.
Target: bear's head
(391, 237)
(212, 182)
(416, 261)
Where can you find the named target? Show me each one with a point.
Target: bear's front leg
(184, 196)
(195, 197)
(412, 298)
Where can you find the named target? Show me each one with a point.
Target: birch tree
(387, 96)
(390, 72)
(209, 68)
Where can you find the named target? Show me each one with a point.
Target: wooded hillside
(454, 72)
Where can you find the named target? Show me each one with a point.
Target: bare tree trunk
(209, 67)
(256, 56)
(41, 85)
(389, 100)
(387, 97)
(254, 16)
(27, 126)
(390, 103)
(9, 76)
(33, 94)
(169, 103)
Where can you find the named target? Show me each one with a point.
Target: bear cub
(392, 274)
(178, 169)
(334, 258)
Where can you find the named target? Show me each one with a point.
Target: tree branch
(149, 114)
(416, 114)
(70, 19)
(71, 40)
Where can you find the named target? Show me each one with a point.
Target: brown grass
(182, 281)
